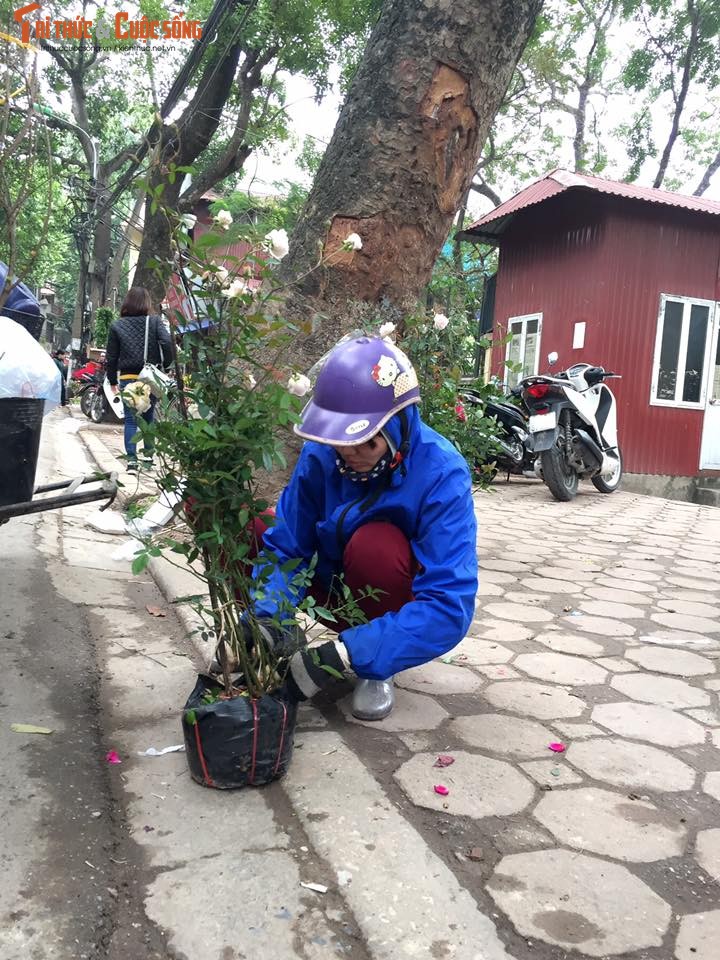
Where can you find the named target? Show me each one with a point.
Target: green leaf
(140, 562)
(190, 717)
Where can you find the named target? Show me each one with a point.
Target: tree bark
(711, 170)
(402, 156)
(682, 94)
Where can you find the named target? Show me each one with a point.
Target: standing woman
(125, 358)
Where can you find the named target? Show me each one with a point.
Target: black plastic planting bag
(20, 429)
(238, 742)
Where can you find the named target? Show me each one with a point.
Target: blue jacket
(432, 505)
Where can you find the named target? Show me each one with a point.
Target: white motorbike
(573, 429)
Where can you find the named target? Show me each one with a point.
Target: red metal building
(626, 277)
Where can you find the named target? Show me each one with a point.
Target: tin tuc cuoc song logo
(117, 27)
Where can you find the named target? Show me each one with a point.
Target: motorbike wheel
(86, 398)
(561, 479)
(609, 486)
(97, 407)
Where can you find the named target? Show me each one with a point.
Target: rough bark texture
(402, 157)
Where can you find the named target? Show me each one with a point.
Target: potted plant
(219, 437)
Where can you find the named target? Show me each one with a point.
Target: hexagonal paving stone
(473, 651)
(616, 664)
(479, 786)
(564, 643)
(548, 585)
(505, 735)
(699, 936)
(641, 721)
(707, 851)
(693, 608)
(534, 700)
(610, 824)
(503, 632)
(634, 586)
(602, 626)
(711, 784)
(559, 668)
(412, 712)
(525, 613)
(579, 903)
(551, 773)
(665, 691)
(438, 679)
(683, 622)
(678, 638)
(680, 663)
(616, 611)
(617, 596)
(628, 764)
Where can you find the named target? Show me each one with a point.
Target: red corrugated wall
(607, 261)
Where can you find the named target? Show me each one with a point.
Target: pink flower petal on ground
(444, 760)
(557, 747)
(439, 788)
(112, 757)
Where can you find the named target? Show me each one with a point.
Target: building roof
(490, 227)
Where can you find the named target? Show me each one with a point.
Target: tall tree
(680, 51)
(402, 156)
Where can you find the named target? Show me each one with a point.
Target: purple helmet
(363, 383)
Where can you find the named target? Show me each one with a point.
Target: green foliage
(218, 437)
(442, 359)
(103, 318)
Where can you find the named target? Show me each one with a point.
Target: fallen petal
(439, 788)
(557, 747)
(112, 757)
(444, 760)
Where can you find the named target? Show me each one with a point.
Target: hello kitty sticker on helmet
(386, 373)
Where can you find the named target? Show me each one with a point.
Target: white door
(710, 447)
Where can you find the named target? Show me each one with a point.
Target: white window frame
(525, 319)
(687, 303)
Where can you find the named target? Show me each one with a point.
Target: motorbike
(573, 428)
(99, 402)
(514, 456)
(84, 386)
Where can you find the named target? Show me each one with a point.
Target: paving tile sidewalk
(597, 627)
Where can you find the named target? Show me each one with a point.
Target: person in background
(61, 360)
(124, 359)
(385, 501)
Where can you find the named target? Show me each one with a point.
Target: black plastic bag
(238, 742)
(20, 428)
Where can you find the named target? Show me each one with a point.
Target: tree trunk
(402, 156)
(711, 170)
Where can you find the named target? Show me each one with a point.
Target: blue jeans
(131, 427)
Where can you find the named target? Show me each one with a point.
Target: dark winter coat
(126, 343)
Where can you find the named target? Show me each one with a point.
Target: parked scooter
(573, 428)
(514, 456)
(102, 403)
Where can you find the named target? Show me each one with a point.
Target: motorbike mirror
(552, 358)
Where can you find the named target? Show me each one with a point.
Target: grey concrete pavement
(597, 628)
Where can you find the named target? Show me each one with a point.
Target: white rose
(386, 329)
(440, 321)
(298, 384)
(223, 219)
(236, 289)
(251, 381)
(352, 242)
(277, 244)
(188, 220)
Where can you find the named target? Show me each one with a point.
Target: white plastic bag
(26, 370)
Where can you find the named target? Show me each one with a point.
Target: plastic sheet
(26, 371)
(239, 742)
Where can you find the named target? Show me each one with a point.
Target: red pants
(378, 555)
